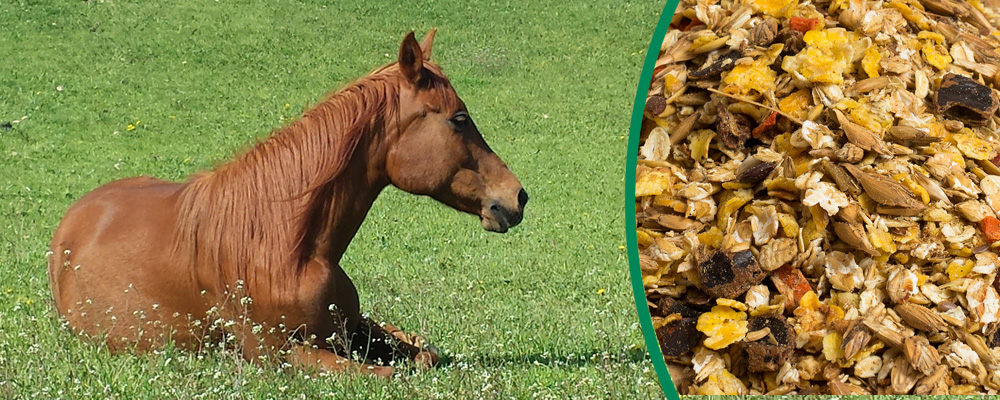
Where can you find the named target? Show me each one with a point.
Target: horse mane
(254, 215)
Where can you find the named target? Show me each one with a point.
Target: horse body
(251, 251)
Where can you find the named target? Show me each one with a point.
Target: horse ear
(427, 43)
(411, 60)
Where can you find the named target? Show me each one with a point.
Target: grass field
(112, 89)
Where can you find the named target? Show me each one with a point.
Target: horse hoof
(426, 359)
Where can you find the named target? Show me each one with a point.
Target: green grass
(544, 311)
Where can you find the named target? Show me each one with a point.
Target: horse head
(438, 151)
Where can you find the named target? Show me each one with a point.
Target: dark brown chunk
(729, 276)
(655, 105)
(679, 337)
(793, 41)
(763, 34)
(734, 129)
(669, 305)
(756, 173)
(725, 62)
(769, 353)
(963, 99)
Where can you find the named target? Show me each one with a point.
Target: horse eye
(460, 119)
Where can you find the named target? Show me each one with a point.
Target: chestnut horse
(249, 253)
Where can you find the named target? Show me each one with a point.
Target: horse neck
(302, 192)
(348, 199)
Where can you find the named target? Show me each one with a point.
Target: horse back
(111, 265)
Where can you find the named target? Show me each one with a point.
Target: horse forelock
(251, 218)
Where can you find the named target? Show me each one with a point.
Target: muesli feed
(817, 194)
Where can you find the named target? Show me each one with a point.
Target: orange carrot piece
(991, 227)
(790, 282)
(768, 122)
(803, 24)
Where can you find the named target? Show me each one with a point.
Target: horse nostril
(522, 198)
(495, 208)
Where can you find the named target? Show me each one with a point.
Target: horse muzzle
(500, 218)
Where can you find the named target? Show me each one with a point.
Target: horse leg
(387, 343)
(307, 357)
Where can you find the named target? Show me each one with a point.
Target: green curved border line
(645, 320)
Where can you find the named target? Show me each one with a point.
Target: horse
(249, 252)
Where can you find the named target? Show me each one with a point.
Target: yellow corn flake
(802, 165)
(819, 217)
(644, 237)
(962, 252)
(711, 238)
(814, 229)
(653, 278)
(936, 129)
(831, 346)
(702, 40)
(811, 316)
(835, 313)
(921, 278)
(669, 201)
(746, 78)
(731, 303)
(671, 83)
(731, 201)
(810, 301)
(755, 78)
(934, 55)
(783, 144)
(901, 258)
(754, 112)
(668, 319)
(826, 58)
(972, 146)
(865, 352)
(776, 8)
(838, 5)
(652, 183)
(797, 104)
(881, 239)
(958, 268)
(700, 142)
(870, 61)
(781, 183)
(911, 235)
(733, 185)
(723, 326)
(914, 187)
(765, 309)
(788, 225)
(933, 49)
(915, 17)
(936, 37)
(965, 390)
(846, 104)
(722, 382)
(872, 116)
(960, 390)
(816, 226)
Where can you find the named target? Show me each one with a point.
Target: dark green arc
(645, 319)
